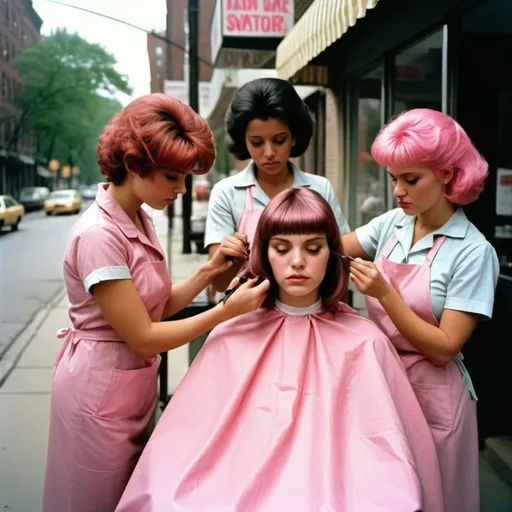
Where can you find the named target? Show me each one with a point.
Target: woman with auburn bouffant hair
(104, 384)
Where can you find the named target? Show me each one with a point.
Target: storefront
(380, 57)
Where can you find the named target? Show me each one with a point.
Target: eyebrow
(260, 137)
(411, 173)
(307, 241)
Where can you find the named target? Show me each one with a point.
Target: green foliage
(66, 98)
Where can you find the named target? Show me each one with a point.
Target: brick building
(167, 61)
(19, 27)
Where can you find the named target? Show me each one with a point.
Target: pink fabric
(441, 392)
(290, 413)
(249, 219)
(103, 394)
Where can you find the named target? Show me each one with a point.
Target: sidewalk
(25, 393)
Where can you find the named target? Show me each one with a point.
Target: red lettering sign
(256, 23)
(276, 5)
(242, 5)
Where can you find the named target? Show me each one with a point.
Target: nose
(297, 259)
(268, 151)
(180, 187)
(399, 190)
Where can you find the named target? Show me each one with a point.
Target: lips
(404, 205)
(297, 278)
(270, 164)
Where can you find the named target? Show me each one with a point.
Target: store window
(419, 75)
(369, 180)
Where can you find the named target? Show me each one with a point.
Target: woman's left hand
(368, 279)
(231, 250)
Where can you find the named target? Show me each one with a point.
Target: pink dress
(445, 393)
(290, 409)
(103, 394)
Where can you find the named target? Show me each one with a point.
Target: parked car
(33, 198)
(63, 201)
(11, 212)
(89, 192)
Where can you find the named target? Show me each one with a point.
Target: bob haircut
(261, 99)
(434, 140)
(299, 211)
(154, 132)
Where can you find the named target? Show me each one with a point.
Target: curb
(12, 355)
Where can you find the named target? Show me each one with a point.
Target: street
(30, 269)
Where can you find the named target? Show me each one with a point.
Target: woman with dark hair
(104, 386)
(302, 405)
(268, 122)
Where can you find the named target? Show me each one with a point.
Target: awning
(323, 23)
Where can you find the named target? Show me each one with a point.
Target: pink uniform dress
(446, 397)
(103, 394)
(291, 409)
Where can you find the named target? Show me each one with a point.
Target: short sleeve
(473, 283)
(369, 235)
(340, 218)
(219, 221)
(101, 255)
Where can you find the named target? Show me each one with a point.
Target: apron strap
(248, 198)
(433, 250)
(389, 247)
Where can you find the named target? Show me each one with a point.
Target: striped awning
(323, 23)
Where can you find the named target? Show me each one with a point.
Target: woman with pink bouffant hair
(104, 385)
(432, 279)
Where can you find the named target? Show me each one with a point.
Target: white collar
(295, 311)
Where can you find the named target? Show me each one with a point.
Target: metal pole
(169, 73)
(193, 84)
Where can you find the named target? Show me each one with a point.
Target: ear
(293, 141)
(447, 175)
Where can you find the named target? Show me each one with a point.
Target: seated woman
(300, 405)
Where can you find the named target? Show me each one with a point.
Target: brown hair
(153, 132)
(299, 210)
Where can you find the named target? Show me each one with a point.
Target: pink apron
(290, 412)
(445, 393)
(107, 395)
(250, 216)
(102, 410)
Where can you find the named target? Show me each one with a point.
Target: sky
(128, 45)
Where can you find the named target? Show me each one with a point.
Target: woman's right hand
(247, 298)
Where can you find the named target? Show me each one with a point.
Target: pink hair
(299, 211)
(154, 132)
(434, 140)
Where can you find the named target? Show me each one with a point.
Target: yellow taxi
(63, 201)
(11, 212)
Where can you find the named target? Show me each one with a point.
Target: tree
(66, 99)
(73, 138)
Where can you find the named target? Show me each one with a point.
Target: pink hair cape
(279, 413)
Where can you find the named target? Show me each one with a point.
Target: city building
(19, 27)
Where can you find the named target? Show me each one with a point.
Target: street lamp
(54, 166)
